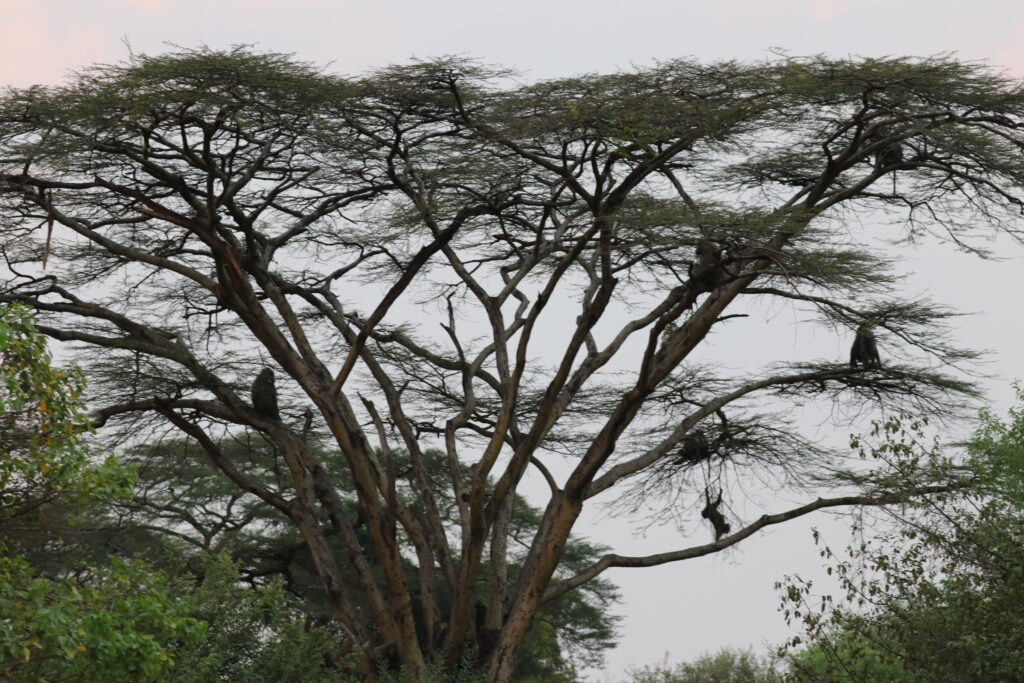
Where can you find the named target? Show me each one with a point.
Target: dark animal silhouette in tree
(713, 515)
(708, 271)
(889, 158)
(264, 395)
(865, 350)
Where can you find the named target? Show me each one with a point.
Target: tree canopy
(190, 219)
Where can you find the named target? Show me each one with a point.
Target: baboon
(264, 394)
(307, 423)
(708, 271)
(864, 350)
(712, 514)
(891, 155)
(889, 158)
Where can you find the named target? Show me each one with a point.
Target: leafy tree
(725, 666)
(843, 655)
(252, 635)
(113, 623)
(46, 458)
(208, 214)
(930, 599)
(119, 626)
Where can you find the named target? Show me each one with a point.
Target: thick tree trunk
(536, 574)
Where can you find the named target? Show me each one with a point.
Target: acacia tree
(198, 215)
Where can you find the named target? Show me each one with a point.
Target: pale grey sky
(679, 609)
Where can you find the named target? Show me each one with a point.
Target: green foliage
(119, 626)
(574, 630)
(43, 428)
(435, 672)
(725, 666)
(253, 634)
(570, 633)
(934, 598)
(997, 452)
(110, 623)
(845, 655)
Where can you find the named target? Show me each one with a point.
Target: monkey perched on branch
(264, 395)
(864, 350)
(708, 271)
(712, 514)
(889, 158)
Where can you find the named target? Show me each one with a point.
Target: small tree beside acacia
(114, 623)
(202, 215)
(46, 459)
(929, 596)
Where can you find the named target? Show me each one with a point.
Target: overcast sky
(679, 609)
